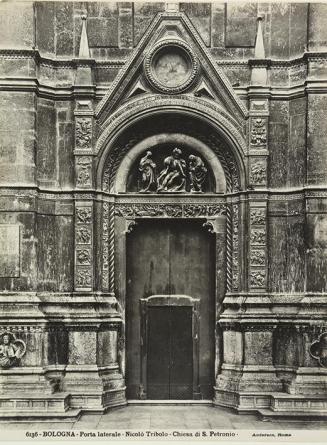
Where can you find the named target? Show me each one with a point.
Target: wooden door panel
(181, 353)
(158, 353)
(147, 264)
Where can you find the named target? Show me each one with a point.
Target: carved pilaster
(235, 250)
(258, 247)
(83, 246)
(258, 143)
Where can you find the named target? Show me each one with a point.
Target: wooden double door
(170, 311)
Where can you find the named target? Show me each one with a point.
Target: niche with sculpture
(170, 169)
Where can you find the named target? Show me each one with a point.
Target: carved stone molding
(152, 102)
(235, 243)
(11, 350)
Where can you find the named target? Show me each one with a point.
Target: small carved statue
(11, 350)
(197, 172)
(173, 178)
(148, 173)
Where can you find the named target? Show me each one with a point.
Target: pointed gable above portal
(171, 59)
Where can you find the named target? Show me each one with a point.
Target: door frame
(169, 300)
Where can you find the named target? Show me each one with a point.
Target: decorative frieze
(170, 210)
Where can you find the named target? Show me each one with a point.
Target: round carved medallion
(171, 66)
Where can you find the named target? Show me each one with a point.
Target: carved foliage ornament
(318, 350)
(11, 350)
(84, 215)
(83, 132)
(258, 132)
(258, 216)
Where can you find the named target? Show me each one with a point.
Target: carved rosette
(258, 246)
(83, 246)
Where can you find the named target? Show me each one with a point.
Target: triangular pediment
(138, 76)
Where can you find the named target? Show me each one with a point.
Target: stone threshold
(169, 402)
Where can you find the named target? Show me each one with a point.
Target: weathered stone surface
(317, 39)
(240, 24)
(278, 142)
(46, 153)
(125, 25)
(316, 137)
(16, 25)
(45, 26)
(10, 250)
(200, 16)
(316, 234)
(143, 15)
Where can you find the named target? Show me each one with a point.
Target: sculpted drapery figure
(197, 173)
(173, 177)
(148, 173)
(11, 350)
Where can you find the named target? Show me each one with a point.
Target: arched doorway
(185, 224)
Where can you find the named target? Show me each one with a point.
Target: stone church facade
(163, 218)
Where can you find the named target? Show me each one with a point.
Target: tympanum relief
(172, 174)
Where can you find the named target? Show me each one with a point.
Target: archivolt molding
(198, 107)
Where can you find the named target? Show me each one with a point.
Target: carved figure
(197, 172)
(173, 178)
(258, 173)
(83, 235)
(84, 215)
(318, 350)
(83, 133)
(11, 350)
(148, 173)
(84, 256)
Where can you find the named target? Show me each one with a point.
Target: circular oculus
(171, 66)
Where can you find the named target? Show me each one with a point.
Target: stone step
(268, 414)
(37, 403)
